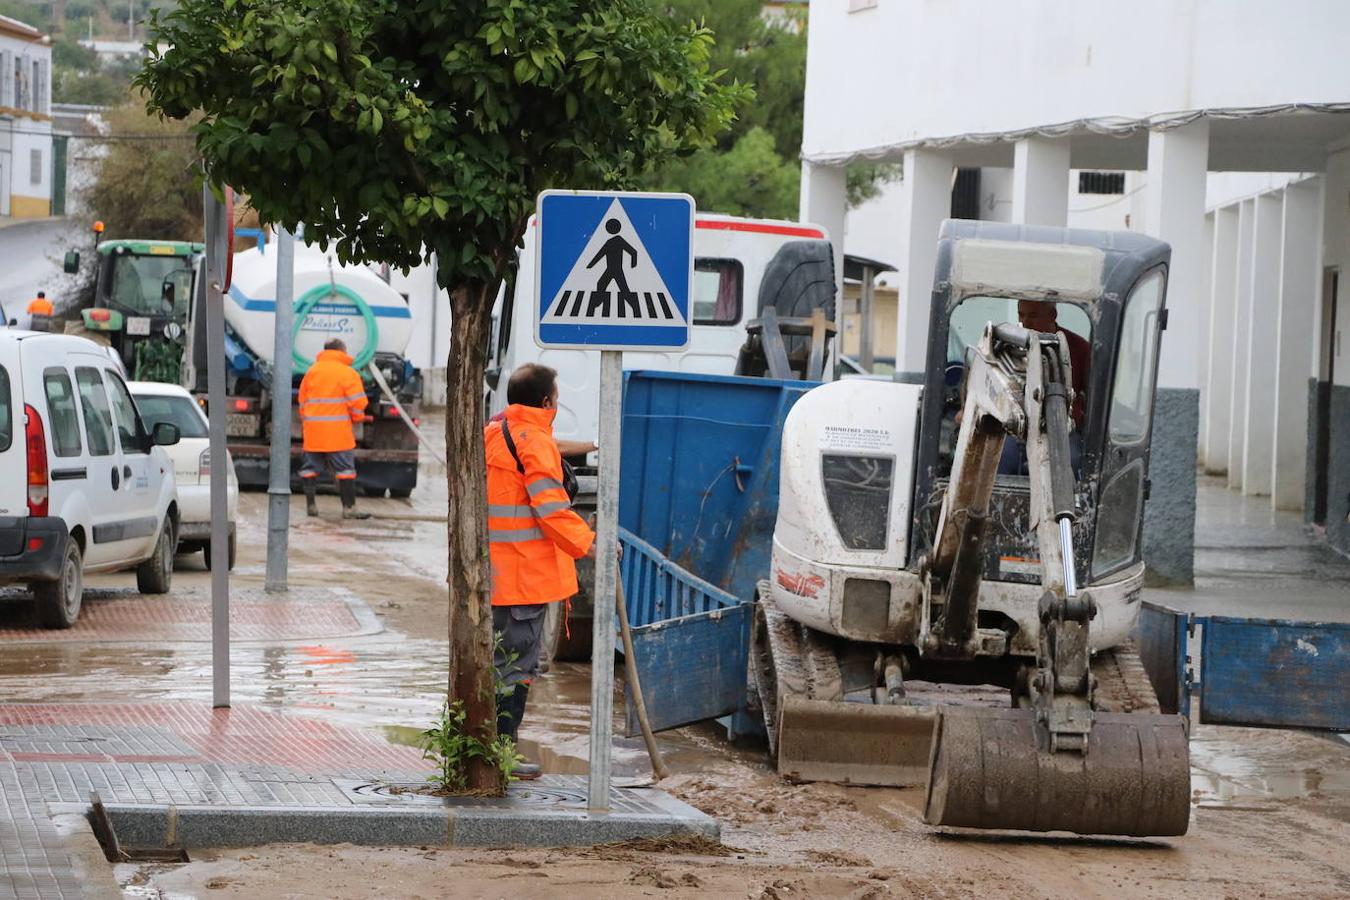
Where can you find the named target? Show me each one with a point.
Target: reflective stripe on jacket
(40, 307)
(331, 397)
(534, 536)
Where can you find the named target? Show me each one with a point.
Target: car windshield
(180, 411)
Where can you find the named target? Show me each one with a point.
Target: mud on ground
(1271, 812)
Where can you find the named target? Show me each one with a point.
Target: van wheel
(400, 493)
(58, 602)
(206, 554)
(154, 575)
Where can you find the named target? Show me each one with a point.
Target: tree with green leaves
(393, 129)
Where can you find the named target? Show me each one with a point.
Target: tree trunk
(471, 680)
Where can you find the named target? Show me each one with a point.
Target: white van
(732, 256)
(84, 486)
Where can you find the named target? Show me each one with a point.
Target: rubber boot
(347, 490)
(311, 504)
(510, 712)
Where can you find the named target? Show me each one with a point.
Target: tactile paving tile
(33, 863)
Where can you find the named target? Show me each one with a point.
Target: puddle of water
(1231, 766)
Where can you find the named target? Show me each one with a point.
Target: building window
(35, 161)
(1101, 182)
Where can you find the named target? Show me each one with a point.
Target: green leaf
(376, 121)
(330, 51)
(570, 106)
(441, 205)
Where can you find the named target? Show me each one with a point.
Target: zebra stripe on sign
(614, 281)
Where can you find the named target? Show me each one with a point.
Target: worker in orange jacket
(331, 398)
(534, 535)
(40, 311)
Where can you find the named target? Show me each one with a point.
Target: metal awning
(854, 266)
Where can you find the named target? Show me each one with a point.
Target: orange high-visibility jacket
(331, 397)
(534, 536)
(40, 306)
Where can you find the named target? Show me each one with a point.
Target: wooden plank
(816, 361)
(1275, 672)
(775, 354)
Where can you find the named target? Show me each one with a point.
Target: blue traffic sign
(614, 271)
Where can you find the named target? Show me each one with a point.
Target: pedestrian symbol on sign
(614, 281)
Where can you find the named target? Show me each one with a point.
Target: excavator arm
(1054, 762)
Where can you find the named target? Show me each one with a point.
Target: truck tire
(155, 575)
(229, 563)
(58, 602)
(375, 492)
(400, 493)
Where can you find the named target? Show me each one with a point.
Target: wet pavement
(1253, 561)
(360, 647)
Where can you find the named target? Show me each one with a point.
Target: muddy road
(1271, 809)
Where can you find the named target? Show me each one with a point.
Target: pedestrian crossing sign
(614, 270)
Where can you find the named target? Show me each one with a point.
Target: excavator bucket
(990, 770)
(855, 743)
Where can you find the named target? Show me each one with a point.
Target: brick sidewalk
(186, 773)
(161, 754)
(115, 615)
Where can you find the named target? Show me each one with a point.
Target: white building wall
(1105, 59)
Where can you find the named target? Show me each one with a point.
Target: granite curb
(192, 827)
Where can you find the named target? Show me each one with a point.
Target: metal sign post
(279, 477)
(615, 272)
(217, 264)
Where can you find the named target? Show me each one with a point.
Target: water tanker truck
(331, 301)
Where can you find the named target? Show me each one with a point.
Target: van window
(717, 291)
(98, 426)
(6, 412)
(61, 411)
(129, 427)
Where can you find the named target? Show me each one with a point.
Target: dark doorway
(1321, 463)
(966, 194)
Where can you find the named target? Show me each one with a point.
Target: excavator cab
(1112, 319)
(957, 567)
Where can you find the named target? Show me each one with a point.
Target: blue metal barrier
(690, 640)
(1275, 672)
(1261, 672)
(700, 470)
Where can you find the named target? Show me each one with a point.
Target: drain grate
(560, 793)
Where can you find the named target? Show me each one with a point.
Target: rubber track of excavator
(1122, 684)
(776, 657)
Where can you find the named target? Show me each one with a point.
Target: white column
(1041, 182)
(1258, 449)
(1296, 339)
(1237, 419)
(1203, 342)
(926, 199)
(1178, 160)
(1217, 380)
(824, 202)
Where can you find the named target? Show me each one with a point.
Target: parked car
(191, 463)
(85, 485)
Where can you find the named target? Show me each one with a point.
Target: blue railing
(657, 590)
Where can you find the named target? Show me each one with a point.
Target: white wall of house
(1229, 121)
(1056, 61)
(25, 113)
